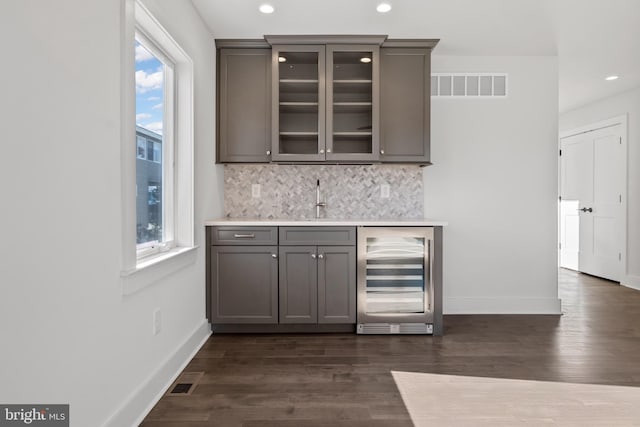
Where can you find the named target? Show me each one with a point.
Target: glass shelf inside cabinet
(298, 102)
(352, 102)
(395, 275)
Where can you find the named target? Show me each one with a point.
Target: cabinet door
(298, 117)
(352, 102)
(244, 283)
(405, 97)
(336, 284)
(298, 284)
(244, 131)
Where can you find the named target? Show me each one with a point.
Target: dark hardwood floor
(345, 380)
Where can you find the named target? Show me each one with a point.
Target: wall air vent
(469, 85)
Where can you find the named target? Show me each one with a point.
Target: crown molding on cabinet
(423, 43)
(325, 39)
(242, 43)
(380, 40)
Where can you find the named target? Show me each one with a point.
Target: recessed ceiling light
(365, 60)
(266, 8)
(383, 7)
(282, 59)
(609, 78)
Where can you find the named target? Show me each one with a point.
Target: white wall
(494, 178)
(625, 103)
(68, 334)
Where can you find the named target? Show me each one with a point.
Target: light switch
(255, 191)
(384, 191)
(157, 321)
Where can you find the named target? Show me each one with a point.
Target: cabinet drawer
(227, 235)
(335, 236)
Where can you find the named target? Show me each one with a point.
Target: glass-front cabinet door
(394, 275)
(352, 102)
(298, 119)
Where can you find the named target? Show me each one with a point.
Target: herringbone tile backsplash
(289, 191)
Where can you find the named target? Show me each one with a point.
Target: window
(154, 77)
(157, 160)
(141, 142)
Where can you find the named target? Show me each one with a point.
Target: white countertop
(417, 222)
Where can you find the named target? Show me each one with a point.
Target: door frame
(621, 120)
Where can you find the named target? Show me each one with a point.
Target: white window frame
(169, 207)
(140, 271)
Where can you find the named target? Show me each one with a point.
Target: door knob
(321, 151)
(313, 256)
(587, 210)
(274, 256)
(321, 256)
(381, 151)
(268, 152)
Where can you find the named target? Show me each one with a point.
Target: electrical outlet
(157, 321)
(384, 191)
(255, 191)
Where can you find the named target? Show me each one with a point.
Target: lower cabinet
(282, 275)
(244, 284)
(317, 284)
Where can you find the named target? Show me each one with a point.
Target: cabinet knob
(322, 151)
(274, 256)
(321, 256)
(313, 256)
(268, 152)
(328, 150)
(381, 151)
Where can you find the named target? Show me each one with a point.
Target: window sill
(153, 268)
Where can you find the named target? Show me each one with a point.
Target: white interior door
(592, 183)
(569, 234)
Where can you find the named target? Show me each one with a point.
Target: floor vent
(185, 384)
(469, 85)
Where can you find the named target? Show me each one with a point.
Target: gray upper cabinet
(352, 102)
(325, 102)
(298, 117)
(405, 99)
(244, 105)
(334, 99)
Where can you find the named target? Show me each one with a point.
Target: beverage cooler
(395, 280)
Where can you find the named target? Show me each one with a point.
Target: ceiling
(592, 38)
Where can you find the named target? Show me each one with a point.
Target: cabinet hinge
(560, 246)
(560, 198)
(620, 197)
(620, 140)
(619, 256)
(561, 152)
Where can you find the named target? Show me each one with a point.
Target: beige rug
(447, 400)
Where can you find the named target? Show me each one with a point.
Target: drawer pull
(244, 236)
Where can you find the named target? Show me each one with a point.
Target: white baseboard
(502, 306)
(144, 398)
(631, 282)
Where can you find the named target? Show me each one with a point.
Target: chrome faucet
(319, 204)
